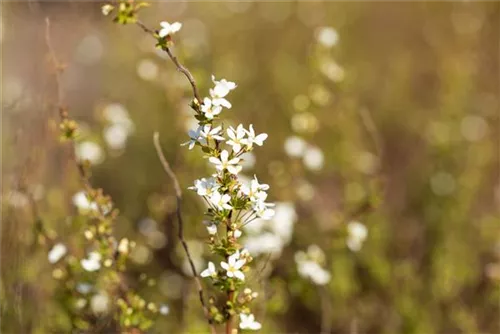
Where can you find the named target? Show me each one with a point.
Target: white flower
(253, 139)
(220, 201)
(284, 220)
(210, 271)
(236, 137)
(327, 36)
(313, 158)
(123, 246)
(106, 9)
(81, 201)
(223, 163)
(255, 190)
(195, 137)
(295, 146)
(237, 233)
(92, 262)
(99, 303)
(210, 109)
(357, 234)
(247, 160)
(221, 89)
(211, 227)
(247, 321)
(169, 29)
(116, 113)
(90, 151)
(116, 136)
(57, 252)
(233, 266)
(264, 243)
(164, 309)
(205, 187)
(262, 210)
(313, 271)
(208, 133)
(84, 288)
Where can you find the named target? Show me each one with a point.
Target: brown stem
(229, 323)
(178, 195)
(230, 292)
(176, 62)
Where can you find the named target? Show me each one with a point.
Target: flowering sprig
(231, 203)
(102, 268)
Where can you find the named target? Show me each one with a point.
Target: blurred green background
(381, 113)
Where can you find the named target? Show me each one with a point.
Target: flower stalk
(231, 203)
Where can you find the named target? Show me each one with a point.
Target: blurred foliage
(407, 123)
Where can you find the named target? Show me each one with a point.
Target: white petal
(238, 274)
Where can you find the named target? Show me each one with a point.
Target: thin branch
(174, 59)
(370, 126)
(326, 311)
(178, 195)
(122, 287)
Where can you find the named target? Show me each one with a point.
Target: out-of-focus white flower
(247, 321)
(313, 158)
(308, 265)
(91, 151)
(263, 210)
(236, 137)
(92, 262)
(205, 187)
(233, 266)
(332, 70)
(84, 288)
(147, 226)
(147, 69)
(210, 271)
(225, 163)
(124, 246)
(211, 228)
(247, 160)
(116, 113)
(284, 220)
(357, 233)
(327, 36)
(237, 233)
(264, 244)
(254, 139)
(164, 309)
(57, 252)
(295, 146)
(473, 128)
(210, 109)
(17, 199)
(82, 202)
(106, 9)
(90, 50)
(169, 29)
(116, 136)
(221, 89)
(313, 271)
(99, 303)
(220, 201)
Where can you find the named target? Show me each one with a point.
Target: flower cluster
(309, 265)
(232, 203)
